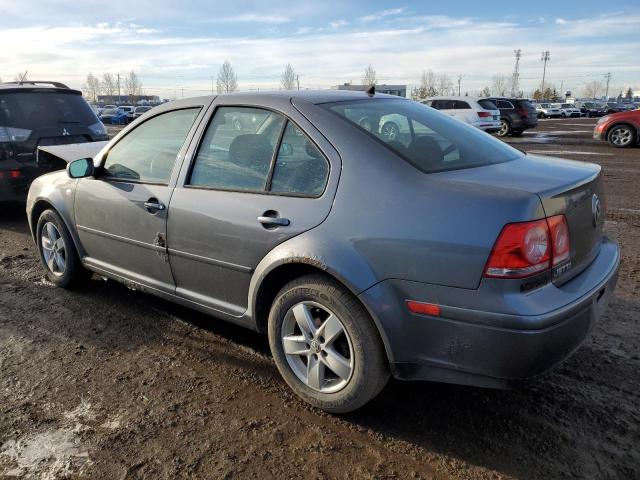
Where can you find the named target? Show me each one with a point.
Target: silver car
(437, 253)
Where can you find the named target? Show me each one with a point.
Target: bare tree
(21, 77)
(92, 87)
(288, 79)
(227, 81)
(427, 87)
(485, 92)
(132, 86)
(500, 84)
(445, 85)
(369, 77)
(109, 85)
(593, 89)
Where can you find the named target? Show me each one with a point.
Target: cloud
(338, 24)
(382, 14)
(249, 18)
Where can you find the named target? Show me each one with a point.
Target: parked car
(545, 110)
(34, 113)
(621, 130)
(138, 112)
(567, 110)
(591, 109)
(482, 114)
(516, 115)
(444, 254)
(107, 114)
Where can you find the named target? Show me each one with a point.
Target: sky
(176, 48)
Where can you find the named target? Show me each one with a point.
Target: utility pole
(211, 84)
(459, 80)
(515, 88)
(298, 81)
(118, 88)
(608, 75)
(545, 58)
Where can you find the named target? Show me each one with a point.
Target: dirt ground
(107, 383)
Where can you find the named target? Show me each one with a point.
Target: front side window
(300, 167)
(147, 154)
(434, 142)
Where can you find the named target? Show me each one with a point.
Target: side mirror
(80, 168)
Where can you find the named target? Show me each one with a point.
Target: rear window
(487, 104)
(429, 140)
(32, 110)
(525, 104)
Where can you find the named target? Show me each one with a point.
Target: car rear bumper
(15, 181)
(469, 346)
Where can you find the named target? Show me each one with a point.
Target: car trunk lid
(566, 187)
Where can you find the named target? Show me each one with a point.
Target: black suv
(516, 115)
(32, 114)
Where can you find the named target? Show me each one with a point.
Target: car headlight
(603, 119)
(98, 129)
(12, 134)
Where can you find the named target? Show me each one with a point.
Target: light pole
(545, 58)
(211, 84)
(459, 80)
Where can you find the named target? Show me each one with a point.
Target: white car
(482, 114)
(545, 110)
(567, 110)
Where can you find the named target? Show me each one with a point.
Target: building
(397, 90)
(125, 99)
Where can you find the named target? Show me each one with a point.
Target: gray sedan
(436, 253)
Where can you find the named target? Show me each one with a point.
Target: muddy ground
(109, 383)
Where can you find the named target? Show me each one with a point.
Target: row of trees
(111, 85)
(227, 80)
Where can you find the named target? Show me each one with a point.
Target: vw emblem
(595, 209)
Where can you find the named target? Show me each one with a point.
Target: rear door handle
(274, 221)
(154, 204)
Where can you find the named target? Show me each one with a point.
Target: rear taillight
(527, 248)
(523, 112)
(484, 114)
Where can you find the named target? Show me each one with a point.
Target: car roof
(453, 97)
(36, 86)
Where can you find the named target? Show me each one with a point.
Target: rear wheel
(516, 133)
(564, 115)
(325, 345)
(622, 136)
(390, 131)
(505, 128)
(58, 252)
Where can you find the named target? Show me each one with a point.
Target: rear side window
(460, 105)
(34, 110)
(300, 167)
(147, 153)
(237, 149)
(488, 105)
(433, 142)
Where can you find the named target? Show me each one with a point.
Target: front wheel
(505, 128)
(622, 136)
(326, 345)
(564, 115)
(58, 252)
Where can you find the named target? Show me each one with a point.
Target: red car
(619, 129)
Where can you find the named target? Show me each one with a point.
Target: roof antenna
(371, 91)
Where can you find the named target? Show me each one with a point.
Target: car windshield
(429, 140)
(33, 110)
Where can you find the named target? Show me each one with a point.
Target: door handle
(274, 221)
(154, 204)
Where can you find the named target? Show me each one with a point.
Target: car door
(121, 214)
(251, 185)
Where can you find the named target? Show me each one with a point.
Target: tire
(516, 133)
(622, 136)
(390, 131)
(356, 347)
(58, 253)
(505, 128)
(563, 115)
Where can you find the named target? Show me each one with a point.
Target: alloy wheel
(621, 136)
(53, 249)
(317, 347)
(389, 131)
(504, 128)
